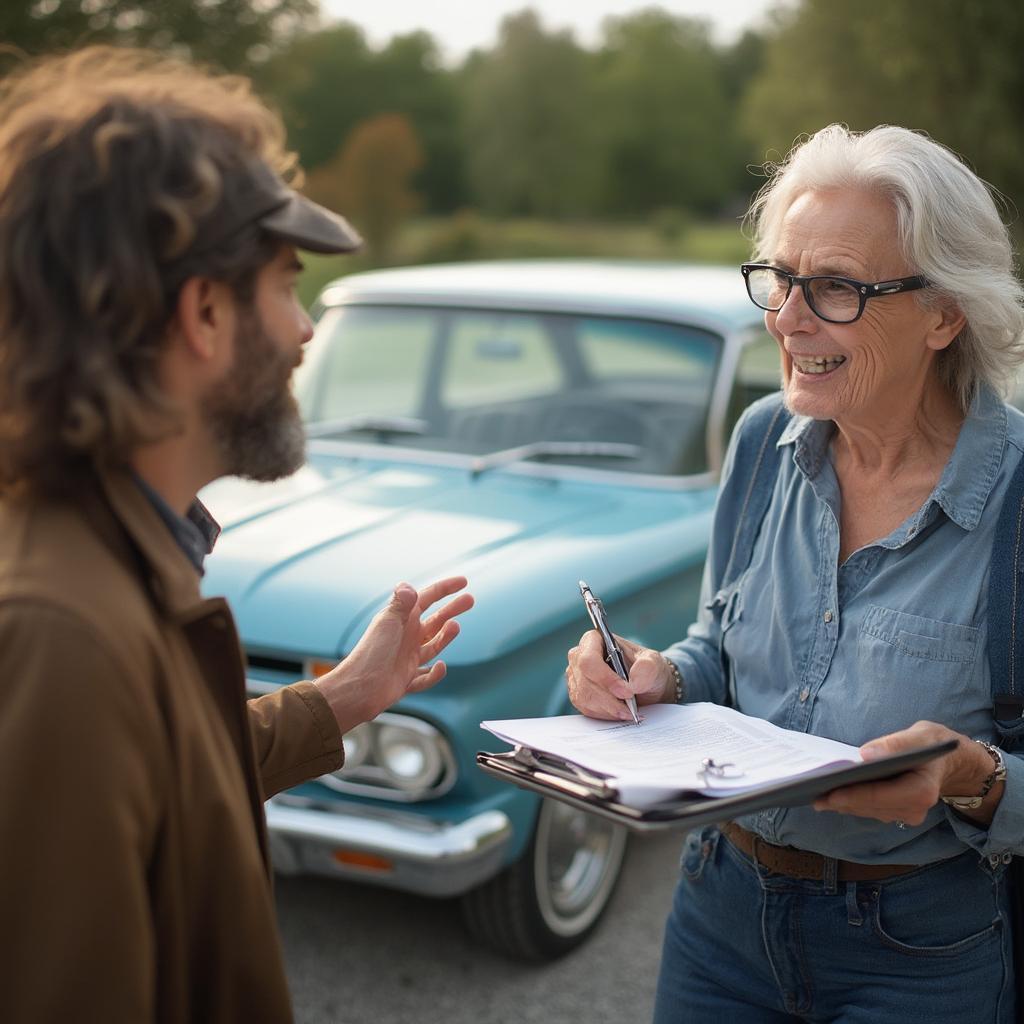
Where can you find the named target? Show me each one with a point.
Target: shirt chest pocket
(921, 638)
(926, 660)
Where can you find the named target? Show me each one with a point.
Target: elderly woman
(862, 612)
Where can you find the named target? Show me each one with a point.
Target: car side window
(380, 370)
(659, 374)
(757, 374)
(613, 349)
(498, 358)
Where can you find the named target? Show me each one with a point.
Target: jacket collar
(172, 579)
(969, 475)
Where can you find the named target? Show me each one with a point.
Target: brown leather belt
(788, 860)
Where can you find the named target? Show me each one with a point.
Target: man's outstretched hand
(390, 659)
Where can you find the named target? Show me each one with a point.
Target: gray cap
(254, 194)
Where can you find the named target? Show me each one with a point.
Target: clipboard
(561, 780)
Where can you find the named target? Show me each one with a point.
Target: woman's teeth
(819, 364)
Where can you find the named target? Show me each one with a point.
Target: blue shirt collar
(195, 533)
(970, 473)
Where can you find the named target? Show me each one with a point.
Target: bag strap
(1006, 612)
(756, 462)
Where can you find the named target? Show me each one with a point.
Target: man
(148, 330)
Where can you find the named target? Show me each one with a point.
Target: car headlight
(358, 743)
(395, 757)
(410, 758)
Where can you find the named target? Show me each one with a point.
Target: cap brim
(308, 225)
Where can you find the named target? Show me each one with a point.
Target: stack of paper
(679, 748)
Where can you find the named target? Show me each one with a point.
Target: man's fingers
(428, 678)
(403, 600)
(456, 606)
(433, 592)
(435, 646)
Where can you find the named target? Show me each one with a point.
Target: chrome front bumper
(397, 850)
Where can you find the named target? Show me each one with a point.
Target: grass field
(467, 236)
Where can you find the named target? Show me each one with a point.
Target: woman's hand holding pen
(596, 691)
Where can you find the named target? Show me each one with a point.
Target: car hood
(307, 561)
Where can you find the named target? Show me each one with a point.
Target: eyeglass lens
(829, 297)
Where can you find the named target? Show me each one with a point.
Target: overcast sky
(461, 25)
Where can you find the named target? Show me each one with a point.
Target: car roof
(713, 295)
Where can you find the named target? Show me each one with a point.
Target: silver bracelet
(965, 803)
(677, 676)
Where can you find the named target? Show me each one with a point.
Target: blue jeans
(743, 945)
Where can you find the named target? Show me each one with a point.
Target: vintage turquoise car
(526, 424)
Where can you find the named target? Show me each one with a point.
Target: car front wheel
(548, 901)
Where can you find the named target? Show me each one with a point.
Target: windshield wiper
(539, 449)
(368, 422)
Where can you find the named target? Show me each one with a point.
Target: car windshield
(481, 382)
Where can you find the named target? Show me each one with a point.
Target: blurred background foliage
(647, 144)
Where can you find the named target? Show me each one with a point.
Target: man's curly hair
(112, 163)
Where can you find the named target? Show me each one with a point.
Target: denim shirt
(852, 651)
(195, 533)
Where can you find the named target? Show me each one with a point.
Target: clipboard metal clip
(596, 784)
(710, 769)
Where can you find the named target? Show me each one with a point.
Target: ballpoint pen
(612, 653)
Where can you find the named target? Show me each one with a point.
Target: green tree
(949, 67)
(741, 63)
(665, 116)
(370, 180)
(411, 78)
(529, 114)
(322, 82)
(328, 81)
(234, 34)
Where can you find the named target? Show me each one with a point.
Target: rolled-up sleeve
(296, 737)
(1005, 833)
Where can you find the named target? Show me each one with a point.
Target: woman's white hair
(949, 228)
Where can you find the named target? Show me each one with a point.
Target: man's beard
(251, 413)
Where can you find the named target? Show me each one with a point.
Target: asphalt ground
(364, 955)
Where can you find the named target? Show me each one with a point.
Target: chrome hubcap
(577, 857)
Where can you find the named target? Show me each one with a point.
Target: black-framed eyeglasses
(838, 300)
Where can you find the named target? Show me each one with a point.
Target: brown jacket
(134, 879)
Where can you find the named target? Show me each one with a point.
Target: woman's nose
(795, 315)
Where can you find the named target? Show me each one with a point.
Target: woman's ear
(949, 320)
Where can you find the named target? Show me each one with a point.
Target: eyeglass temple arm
(902, 284)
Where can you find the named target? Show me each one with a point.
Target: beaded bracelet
(677, 676)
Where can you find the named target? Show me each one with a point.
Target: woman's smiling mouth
(817, 364)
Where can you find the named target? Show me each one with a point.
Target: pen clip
(599, 620)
